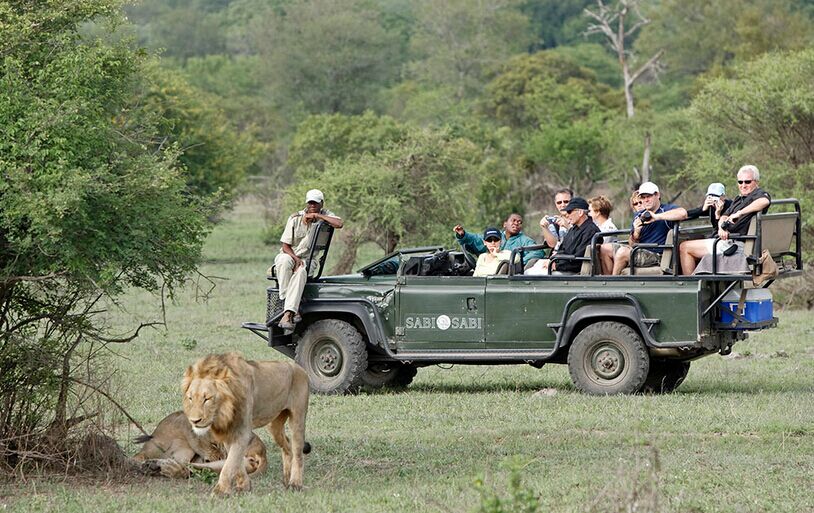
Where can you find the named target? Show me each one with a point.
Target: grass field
(737, 436)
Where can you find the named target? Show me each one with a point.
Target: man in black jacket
(575, 241)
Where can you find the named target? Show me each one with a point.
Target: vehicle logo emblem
(443, 322)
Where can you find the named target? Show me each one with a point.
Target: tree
(556, 22)
(606, 17)
(523, 76)
(410, 193)
(702, 36)
(86, 209)
(214, 155)
(459, 43)
(321, 138)
(328, 56)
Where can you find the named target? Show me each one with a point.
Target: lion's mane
(232, 380)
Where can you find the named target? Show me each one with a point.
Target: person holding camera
(574, 243)
(650, 226)
(554, 228)
(734, 219)
(714, 205)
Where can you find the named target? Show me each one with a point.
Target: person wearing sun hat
(488, 262)
(296, 243)
(715, 203)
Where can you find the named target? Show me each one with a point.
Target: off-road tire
(334, 356)
(608, 358)
(388, 375)
(665, 376)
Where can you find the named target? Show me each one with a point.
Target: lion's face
(201, 404)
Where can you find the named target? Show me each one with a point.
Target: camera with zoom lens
(727, 225)
(646, 216)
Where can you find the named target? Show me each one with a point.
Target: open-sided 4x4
(617, 334)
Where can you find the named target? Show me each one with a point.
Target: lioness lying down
(174, 447)
(227, 396)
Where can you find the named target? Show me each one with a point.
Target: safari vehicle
(617, 334)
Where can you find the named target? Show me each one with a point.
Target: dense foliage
(89, 205)
(540, 100)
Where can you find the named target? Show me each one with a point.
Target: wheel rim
(606, 362)
(327, 359)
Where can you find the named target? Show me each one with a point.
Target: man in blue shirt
(650, 226)
(511, 238)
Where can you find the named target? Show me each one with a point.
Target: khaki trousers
(291, 283)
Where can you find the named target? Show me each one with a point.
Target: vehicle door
(440, 312)
(518, 311)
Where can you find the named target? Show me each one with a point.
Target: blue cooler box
(757, 308)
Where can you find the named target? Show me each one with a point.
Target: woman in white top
(599, 208)
(488, 262)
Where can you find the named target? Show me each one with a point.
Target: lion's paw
(222, 490)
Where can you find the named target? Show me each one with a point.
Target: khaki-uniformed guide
(296, 241)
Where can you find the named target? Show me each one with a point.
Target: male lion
(174, 447)
(228, 396)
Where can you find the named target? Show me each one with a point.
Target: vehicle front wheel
(388, 374)
(665, 376)
(608, 358)
(334, 356)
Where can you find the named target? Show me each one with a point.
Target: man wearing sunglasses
(734, 220)
(554, 228)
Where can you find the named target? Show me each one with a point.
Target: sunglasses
(563, 202)
(491, 240)
(637, 203)
(747, 182)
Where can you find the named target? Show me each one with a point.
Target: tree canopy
(88, 204)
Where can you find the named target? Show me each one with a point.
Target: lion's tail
(142, 439)
(306, 448)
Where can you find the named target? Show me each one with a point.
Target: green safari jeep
(618, 334)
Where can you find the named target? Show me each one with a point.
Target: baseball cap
(648, 188)
(716, 189)
(314, 195)
(491, 233)
(576, 202)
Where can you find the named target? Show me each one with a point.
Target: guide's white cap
(314, 195)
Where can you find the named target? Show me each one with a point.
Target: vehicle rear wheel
(388, 374)
(665, 376)
(608, 358)
(334, 356)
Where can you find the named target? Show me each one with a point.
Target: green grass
(737, 436)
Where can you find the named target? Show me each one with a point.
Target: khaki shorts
(644, 257)
(647, 258)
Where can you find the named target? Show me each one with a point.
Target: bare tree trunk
(605, 16)
(646, 158)
(350, 241)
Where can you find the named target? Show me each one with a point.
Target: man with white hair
(734, 219)
(296, 242)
